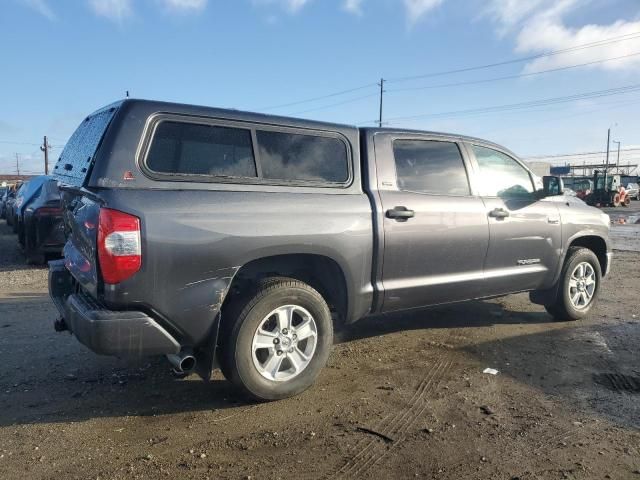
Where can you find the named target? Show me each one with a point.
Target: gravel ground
(403, 396)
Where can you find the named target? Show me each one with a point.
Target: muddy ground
(564, 405)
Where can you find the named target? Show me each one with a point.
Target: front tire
(277, 343)
(579, 285)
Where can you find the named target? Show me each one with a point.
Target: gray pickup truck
(239, 240)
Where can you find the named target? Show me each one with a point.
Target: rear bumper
(106, 332)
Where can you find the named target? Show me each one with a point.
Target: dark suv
(239, 240)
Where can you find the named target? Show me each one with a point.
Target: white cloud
(116, 10)
(42, 7)
(185, 5)
(416, 9)
(541, 26)
(292, 6)
(353, 6)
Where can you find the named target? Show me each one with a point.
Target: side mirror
(552, 186)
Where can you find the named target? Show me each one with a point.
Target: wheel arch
(321, 272)
(597, 245)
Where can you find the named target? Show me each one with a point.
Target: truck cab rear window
(183, 148)
(297, 157)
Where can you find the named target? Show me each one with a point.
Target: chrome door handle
(498, 213)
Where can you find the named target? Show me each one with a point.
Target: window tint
(196, 149)
(430, 167)
(289, 156)
(501, 176)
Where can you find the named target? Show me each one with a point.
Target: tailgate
(81, 215)
(81, 207)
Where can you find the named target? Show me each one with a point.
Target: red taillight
(48, 212)
(119, 246)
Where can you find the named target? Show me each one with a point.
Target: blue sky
(63, 59)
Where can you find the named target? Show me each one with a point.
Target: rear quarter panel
(194, 242)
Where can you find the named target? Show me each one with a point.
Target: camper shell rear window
(75, 162)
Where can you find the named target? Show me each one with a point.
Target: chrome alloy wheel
(582, 285)
(284, 343)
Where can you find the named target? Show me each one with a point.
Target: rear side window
(75, 161)
(298, 157)
(433, 167)
(501, 176)
(183, 148)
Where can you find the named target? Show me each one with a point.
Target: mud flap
(206, 354)
(544, 297)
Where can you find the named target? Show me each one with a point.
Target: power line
(335, 104)
(604, 106)
(322, 97)
(581, 154)
(19, 143)
(630, 36)
(621, 38)
(510, 77)
(521, 105)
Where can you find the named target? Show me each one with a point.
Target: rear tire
(578, 287)
(263, 351)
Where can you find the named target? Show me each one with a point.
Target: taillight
(119, 246)
(48, 212)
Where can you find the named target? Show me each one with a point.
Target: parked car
(27, 193)
(231, 239)
(42, 224)
(633, 191)
(3, 201)
(10, 206)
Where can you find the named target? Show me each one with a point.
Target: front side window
(430, 167)
(501, 176)
(184, 148)
(298, 157)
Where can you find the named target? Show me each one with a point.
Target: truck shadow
(51, 378)
(459, 315)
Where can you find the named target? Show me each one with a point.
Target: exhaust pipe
(183, 362)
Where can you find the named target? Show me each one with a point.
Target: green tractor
(607, 191)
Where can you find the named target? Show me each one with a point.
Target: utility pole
(45, 148)
(381, 96)
(618, 159)
(606, 168)
(18, 164)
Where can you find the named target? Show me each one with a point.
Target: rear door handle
(401, 214)
(498, 213)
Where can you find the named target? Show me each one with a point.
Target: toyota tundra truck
(220, 238)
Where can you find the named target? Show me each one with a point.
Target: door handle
(498, 213)
(401, 214)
